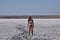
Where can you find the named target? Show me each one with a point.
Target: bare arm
(28, 25)
(33, 23)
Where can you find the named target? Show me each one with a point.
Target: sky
(29, 7)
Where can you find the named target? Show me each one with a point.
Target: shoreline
(33, 16)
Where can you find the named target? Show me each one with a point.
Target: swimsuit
(30, 22)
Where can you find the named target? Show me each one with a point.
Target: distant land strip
(33, 16)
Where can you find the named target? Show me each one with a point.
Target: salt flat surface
(16, 29)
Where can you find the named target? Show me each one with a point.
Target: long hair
(30, 18)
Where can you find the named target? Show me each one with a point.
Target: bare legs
(30, 30)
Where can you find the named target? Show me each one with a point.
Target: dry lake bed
(16, 29)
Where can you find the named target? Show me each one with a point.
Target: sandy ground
(16, 29)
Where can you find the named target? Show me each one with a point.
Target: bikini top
(30, 22)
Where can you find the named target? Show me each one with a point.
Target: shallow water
(16, 29)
